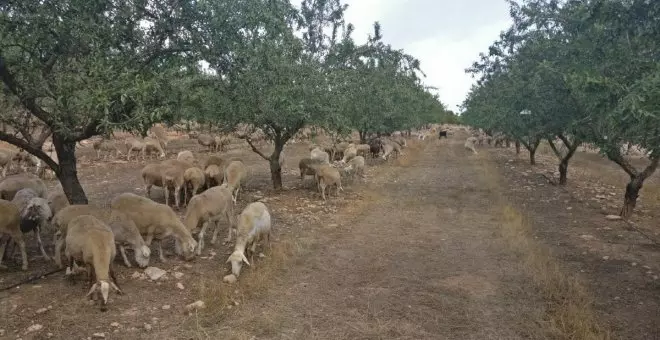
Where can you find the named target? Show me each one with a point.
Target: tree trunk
(630, 198)
(517, 147)
(363, 136)
(563, 171)
(507, 142)
(274, 161)
(68, 172)
(532, 156)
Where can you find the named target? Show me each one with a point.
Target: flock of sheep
(89, 236)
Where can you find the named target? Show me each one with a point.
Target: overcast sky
(445, 35)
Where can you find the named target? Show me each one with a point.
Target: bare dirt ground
(438, 244)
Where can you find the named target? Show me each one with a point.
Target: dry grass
(569, 313)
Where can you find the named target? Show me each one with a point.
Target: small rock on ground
(154, 273)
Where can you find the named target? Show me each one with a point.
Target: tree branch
(29, 148)
(254, 148)
(554, 148)
(572, 147)
(27, 101)
(615, 156)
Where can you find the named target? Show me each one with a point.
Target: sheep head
(103, 287)
(237, 258)
(142, 255)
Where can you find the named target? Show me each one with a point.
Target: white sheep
(57, 200)
(320, 155)
(12, 184)
(349, 153)
(106, 145)
(208, 141)
(10, 224)
(470, 144)
(134, 144)
(326, 176)
(213, 175)
(153, 144)
(35, 214)
(156, 221)
(6, 160)
(122, 226)
(253, 225)
(173, 180)
(356, 167)
(209, 207)
(91, 242)
(186, 156)
(235, 175)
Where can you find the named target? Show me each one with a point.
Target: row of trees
(578, 72)
(74, 69)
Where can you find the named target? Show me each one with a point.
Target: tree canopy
(585, 71)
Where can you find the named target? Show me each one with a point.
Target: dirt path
(422, 262)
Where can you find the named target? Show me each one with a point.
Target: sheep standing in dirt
(320, 155)
(194, 179)
(470, 144)
(124, 229)
(57, 200)
(355, 167)
(186, 156)
(173, 181)
(35, 214)
(208, 141)
(106, 145)
(12, 184)
(235, 175)
(363, 149)
(349, 153)
(153, 145)
(375, 147)
(215, 160)
(206, 208)
(91, 242)
(152, 175)
(10, 227)
(305, 167)
(214, 175)
(134, 144)
(156, 221)
(254, 225)
(327, 176)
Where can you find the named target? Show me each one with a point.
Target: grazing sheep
(214, 160)
(349, 153)
(363, 149)
(208, 141)
(91, 242)
(388, 149)
(355, 167)
(470, 144)
(35, 214)
(134, 144)
(194, 179)
(151, 145)
(6, 160)
(253, 225)
(10, 225)
(186, 156)
(57, 200)
(106, 145)
(306, 169)
(327, 176)
(375, 147)
(152, 175)
(209, 207)
(221, 142)
(173, 180)
(122, 226)
(400, 140)
(235, 175)
(12, 184)
(213, 175)
(320, 155)
(156, 221)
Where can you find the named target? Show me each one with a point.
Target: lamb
(91, 241)
(134, 144)
(355, 167)
(124, 229)
(107, 146)
(10, 224)
(12, 184)
(194, 178)
(235, 174)
(213, 175)
(35, 214)
(157, 221)
(6, 160)
(186, 156)
(320, 155)
(327, 176)
(153, 144)
(209, 207)
(470, 143)
(253, 226)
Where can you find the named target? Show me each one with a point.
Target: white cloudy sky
(445, 35)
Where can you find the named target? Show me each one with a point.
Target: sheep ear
(245, 259)
(91, 290)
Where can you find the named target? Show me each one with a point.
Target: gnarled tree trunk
(564, 159)
(67, 171)
(517, 147)
(636, 179)
(274, 162)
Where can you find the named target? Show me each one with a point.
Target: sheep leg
(149, 238)
(215, 231)
(2, 251)
(322, 186)
(41, 244)
(160, 252)
(59, 244)
(167, 195)
(148, 190)
(200, 237)
(21, 244)
(122, 250)
(114, 280)
(177, 199)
